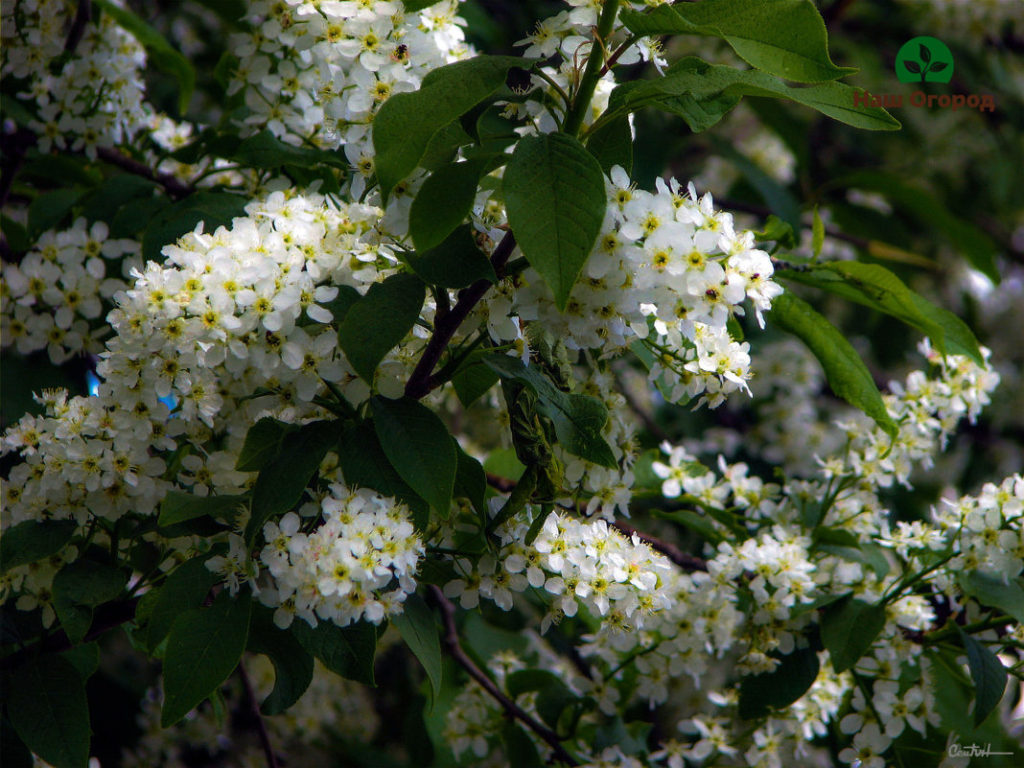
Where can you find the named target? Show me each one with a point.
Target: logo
(924, 60)
(956, 749)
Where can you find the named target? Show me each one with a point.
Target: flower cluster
(668, 270)
(359, 564)
(54, 298)
(92, 99)
(579, 563)
(321, 70)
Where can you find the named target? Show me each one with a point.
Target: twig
(82, 16)
(452, 645)
(173, 185)
(421, 382)
(261, 727)
(671, 551)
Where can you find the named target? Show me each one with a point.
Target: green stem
(581, 102)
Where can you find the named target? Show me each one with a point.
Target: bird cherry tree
(371, 347)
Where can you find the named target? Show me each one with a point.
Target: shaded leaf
(346, 651)
(848, 628)
(989, 676)
(47, 706)
(32, 540)
(417, 627)
(760, 695)
(293, 665)
(379, 321)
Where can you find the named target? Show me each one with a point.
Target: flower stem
(581, 102)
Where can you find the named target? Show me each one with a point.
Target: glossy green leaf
(47, 706)
(874, 286)
(848, 628)
(159, 52)
(990, 589)
(32, 540)
(203, 649)
(79, 587)
(180, 506)
(555, 198)
(379, 321)
(784, 37)
(263, 442)
(346, 651)
(612, 144)
(364, 464)
(185, 588)
(845, 371)
(443, 203)
(406, 122)
(760, 695)
(280, 484)
(419, 631)
(293, 665)
(578, 419)
(50, 208)
(472, 380)
(418, 446)
(455, 263)
(989, 676)
(701, 93)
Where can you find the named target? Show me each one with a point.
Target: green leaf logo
(924, 60)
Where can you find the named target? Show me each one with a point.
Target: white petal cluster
(54, 298)
(669, 271)
(95, 98)
(320, 70)
(578, 563)
(357, 565)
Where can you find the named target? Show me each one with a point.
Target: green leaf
(779, 231)
(203, 649)
(701, 93)
(776, 690)
(989, 676)
(180, 506)
(848, 628)
(214, 209)
(503, 462)
(520, 750)
(379, 321)
(412, 6)
(845, 371)
(443, 203)
(280, 484)
(48, 209)
(874, 286)
(85, 658)
(263, 442)
(470, 479)
(47, 706)
(612, 144)
(406, 122)
(103, 203)
(867, 554)
(418, 446)
(79, 587)
(265, 150)
(417, 627)
(991, 590)
(455, 263)
(555, 198)
(293, 665)
(185, 588)
(63, 170)
(13, 752)
(553, 696)
(784, 37)
(473, 379)
(364, 464)
(779, 199)
(695, 521)
(135, 215)
(346, 651)
(342, 303)
(159, 52)
(30, 541)
(578, 419)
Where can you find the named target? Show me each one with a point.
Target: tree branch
(454, 648)
(671, 551)
(421, 382)
(172, 184)
(261, 726)
(82, 16)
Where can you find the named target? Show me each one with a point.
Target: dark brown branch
(172, 184)
(261, 726)
(421, 382)
(108, 617)
(82, 16)
(671, 551)
(454, 648)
